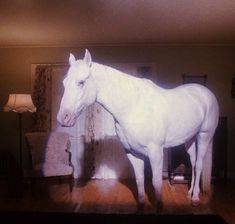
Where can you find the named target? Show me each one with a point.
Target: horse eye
(81, 83)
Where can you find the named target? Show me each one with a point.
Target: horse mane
(114, 71)
(122, 79)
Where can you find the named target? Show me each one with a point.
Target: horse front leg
(138, 166)
(155, 154)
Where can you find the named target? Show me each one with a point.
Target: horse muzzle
(66, 118)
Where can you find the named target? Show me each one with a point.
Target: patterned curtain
(98, 125)
(42, 98)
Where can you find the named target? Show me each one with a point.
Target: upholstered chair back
(50, 153)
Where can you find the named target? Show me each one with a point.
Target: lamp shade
(19, 103)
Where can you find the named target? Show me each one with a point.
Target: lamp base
(15, 179)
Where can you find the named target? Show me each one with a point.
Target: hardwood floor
(117, 196)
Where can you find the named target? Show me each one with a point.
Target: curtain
(110, 161)
(42, 98)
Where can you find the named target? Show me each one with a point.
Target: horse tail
(207, 169)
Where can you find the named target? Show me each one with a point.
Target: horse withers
(148, 118)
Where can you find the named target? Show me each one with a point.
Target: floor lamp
(20, 103)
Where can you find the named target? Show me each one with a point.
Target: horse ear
(72, 59)
(87, 58)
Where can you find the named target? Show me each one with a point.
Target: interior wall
(171, 61)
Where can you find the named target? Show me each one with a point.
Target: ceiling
(114, 22)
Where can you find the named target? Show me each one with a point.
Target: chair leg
(32, 185)
(71, 183)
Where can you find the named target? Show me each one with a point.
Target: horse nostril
(66, 117)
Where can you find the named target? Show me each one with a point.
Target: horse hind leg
(191, 150)
(207, 169)
(204, 146)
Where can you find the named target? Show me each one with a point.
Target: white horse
(148, 118)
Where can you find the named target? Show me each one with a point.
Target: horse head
(79, 90)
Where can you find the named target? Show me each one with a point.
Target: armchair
(50, 156)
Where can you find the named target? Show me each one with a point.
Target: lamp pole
(20, 139)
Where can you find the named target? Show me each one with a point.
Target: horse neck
(116, 91)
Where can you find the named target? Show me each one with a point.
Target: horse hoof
(159, 205)
(195, 203)
(189, 196)
(140, 208)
